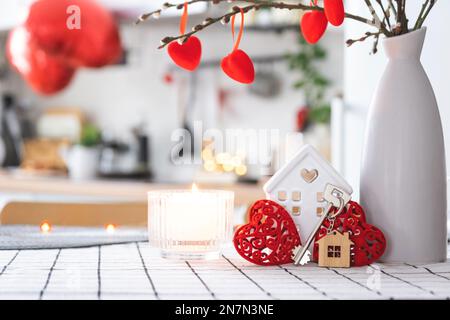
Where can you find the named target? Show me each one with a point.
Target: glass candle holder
(187, 224)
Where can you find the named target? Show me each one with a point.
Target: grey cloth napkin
(16, 237)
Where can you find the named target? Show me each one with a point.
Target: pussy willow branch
(367, 35)
(258, 4)
(392, 7)
(378, 23)
(402, 20)
(422, 10)
(399, 13)
(423, 15)
(255, 4)
(386, 14)
(206, 23)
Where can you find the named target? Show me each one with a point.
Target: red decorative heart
(334, 11)
(186, 55)
(238, 66)
(270, 236)
(369, 241)
(313, 26)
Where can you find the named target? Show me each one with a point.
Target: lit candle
(110, 228)
(190, 224)
(45, 227)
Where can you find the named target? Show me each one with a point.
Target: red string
(184, 19)
(241, 29)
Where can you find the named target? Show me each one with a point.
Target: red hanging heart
(369, 241)
(334, 11)
(313, 26)
(238, 66)
(270, 236)
(186, 55)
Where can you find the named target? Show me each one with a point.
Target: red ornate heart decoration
(313, 26)
(334, 11)
(270, 236)
(369, 241)
(238, 66)
(186, 55)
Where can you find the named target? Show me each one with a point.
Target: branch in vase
(422, 11)
(422, 19)
(375, 44)
(378, 23)
(402, 21)
(367, 35)
(386, 13)
(206, 23)
(156, 14)
(255, 4)
(392, 7)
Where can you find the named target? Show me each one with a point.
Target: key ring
(341, 207)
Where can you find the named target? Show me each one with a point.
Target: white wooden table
(135, 271)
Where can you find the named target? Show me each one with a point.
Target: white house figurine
(299, 184)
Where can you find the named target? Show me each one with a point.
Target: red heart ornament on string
(369, 241)
(334, 11)
(238, 66)
(186, 55)
(269, 237)
(313, 26)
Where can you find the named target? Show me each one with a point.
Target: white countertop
(135, 271)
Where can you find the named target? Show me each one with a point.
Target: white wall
(120, 97)
(362, 71)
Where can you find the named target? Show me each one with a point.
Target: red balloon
(80, 31)
(238, 66)
(334, 11)
(186, 55)
(313, 26)
(45, 74)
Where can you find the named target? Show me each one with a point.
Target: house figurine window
(334, 251)
(282, 195)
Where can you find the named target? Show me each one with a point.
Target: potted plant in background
(313, 119)
(82, 158)
(403, 178)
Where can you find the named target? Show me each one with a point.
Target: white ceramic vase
(403, 177)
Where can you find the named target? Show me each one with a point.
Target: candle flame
(45, 227)
(194, 188)
(110, 228)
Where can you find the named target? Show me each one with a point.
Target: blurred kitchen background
(106, 138)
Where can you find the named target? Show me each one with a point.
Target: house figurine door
(298, 186)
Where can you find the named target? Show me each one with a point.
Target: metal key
(335, 197)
